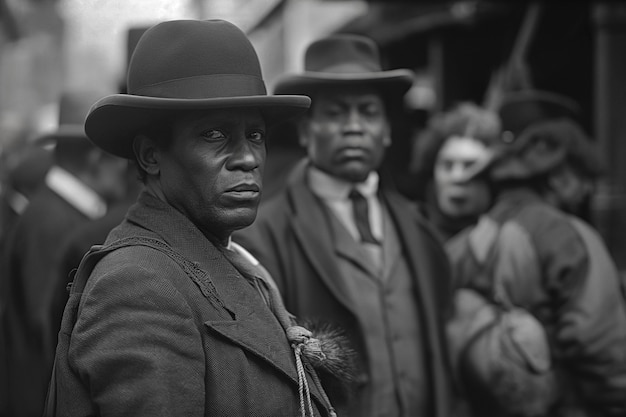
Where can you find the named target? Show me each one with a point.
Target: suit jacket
(153, 340)
(292, 238)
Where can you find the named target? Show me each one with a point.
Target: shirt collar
(333, 188)
(75, 192)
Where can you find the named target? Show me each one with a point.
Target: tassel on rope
(309, 351)
(301, 340)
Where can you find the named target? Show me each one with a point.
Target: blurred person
(25, 175)
(453, 143)
(521, 109)
(170, 317)
(345, 247)
(555, 266)
(83, 237)
(77, 189)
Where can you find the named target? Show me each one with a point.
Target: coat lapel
(254, 328)
(347, 248)
(391, 247)
(312, 229)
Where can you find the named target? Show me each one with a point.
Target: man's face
(212, 171)
(455, 196)
(346, 133)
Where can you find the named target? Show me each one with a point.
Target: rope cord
(303, 384)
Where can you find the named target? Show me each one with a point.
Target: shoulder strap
(483, 242)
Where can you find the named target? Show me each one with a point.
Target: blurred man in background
(79, 187)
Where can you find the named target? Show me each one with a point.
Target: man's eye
(214, 134)
(372, 110)
(332, 112)
(257, 136)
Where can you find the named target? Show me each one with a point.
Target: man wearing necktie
(343, 247)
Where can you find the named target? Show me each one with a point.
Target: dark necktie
(361, 216)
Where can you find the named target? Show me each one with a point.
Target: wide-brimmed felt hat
(186, 65)
(520, 109)
(544, 146)
(74, 106)
(344, 60)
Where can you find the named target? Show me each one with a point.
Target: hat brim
(113, 121)
(394, 81)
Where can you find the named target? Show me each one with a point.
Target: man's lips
(245, 188)
(353, 152)
(244, 191)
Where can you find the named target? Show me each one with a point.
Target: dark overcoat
(149, 341)
(293, 240)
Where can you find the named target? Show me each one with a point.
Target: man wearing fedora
(344, 247)
(78, 187)
(552, 264)
(169, 317)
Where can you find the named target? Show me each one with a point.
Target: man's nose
(354, 121)
(244, 156)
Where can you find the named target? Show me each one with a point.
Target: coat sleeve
(135, 343)
(590, 312)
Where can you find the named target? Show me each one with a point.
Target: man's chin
(355, 173)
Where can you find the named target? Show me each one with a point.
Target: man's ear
(147, 154)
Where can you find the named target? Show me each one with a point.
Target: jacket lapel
(312, 229)
(254, 328)
(391, 247)
(347, 248)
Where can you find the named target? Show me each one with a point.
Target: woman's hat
(186, 65)
(344, 60)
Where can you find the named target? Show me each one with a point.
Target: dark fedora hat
(544, 146)
(74, 106)
(520, 109)
(186, 65)
(344, 60)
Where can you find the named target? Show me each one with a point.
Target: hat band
(350, 68)
(205, 87)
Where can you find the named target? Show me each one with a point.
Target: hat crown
(343, 54)
(521, 109)
(190, 59)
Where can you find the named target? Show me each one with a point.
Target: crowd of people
(144, 273)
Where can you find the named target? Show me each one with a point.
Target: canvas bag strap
(483, 241)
